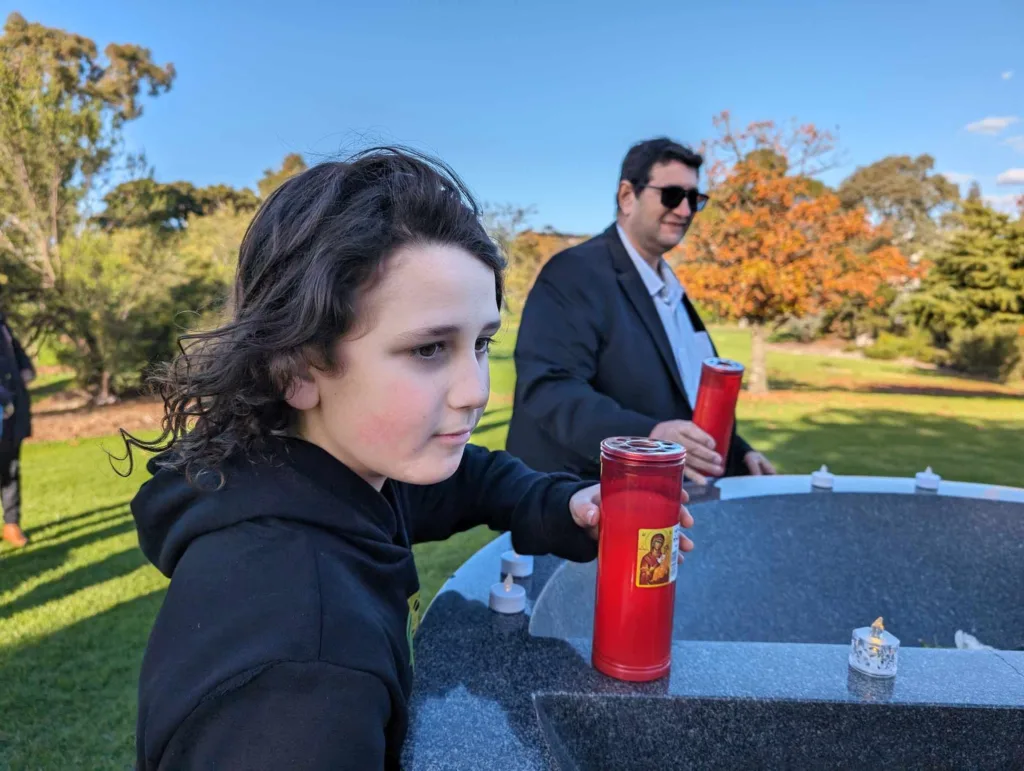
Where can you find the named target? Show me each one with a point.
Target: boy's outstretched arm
(498, 490)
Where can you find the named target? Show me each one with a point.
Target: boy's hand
(585, 507)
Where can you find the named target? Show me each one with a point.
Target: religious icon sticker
(656, 561)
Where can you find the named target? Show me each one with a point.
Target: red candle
(637, 560)
(715, 412)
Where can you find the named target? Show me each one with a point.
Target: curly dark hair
(314, 246)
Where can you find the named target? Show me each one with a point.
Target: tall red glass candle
(637, 560)
(715, 412)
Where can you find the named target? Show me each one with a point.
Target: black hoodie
(284, 640)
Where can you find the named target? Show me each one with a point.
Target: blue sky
(534, 102)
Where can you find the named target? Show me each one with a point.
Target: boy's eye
(483, 345)
(429, 351)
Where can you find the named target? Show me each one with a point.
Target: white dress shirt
(689, 346)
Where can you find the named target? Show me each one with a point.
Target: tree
(903, 193)
(117, 289)
(976, 277)
(167, 206)
(505, 224)
(61, 112)
(526, 250)
(770, 247)
(272, 179)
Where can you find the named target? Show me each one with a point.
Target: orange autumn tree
(774, 243)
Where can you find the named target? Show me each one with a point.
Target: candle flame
(508, 583)
(877, 628)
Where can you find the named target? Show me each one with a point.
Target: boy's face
(413, 377)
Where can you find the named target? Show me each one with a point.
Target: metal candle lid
(724, 366)
(643, 450)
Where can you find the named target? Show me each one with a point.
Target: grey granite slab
(809, 568)
(490, 694)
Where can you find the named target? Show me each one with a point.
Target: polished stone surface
(489, 694)
(811, 568)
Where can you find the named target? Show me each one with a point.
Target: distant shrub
(915, 345)
(803, 330)
(994, 351)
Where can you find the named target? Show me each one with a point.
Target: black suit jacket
(593, 361)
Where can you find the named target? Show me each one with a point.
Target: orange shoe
(13, 535)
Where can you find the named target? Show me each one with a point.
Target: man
(609, 343)
(16, 373)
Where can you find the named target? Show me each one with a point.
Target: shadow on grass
(113, 566)
(893, 443)
(56, 386)
(984, 388)
(61, 528)
(19, 566)
(867, 387)
(69, 699)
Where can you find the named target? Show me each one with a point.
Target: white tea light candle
(874, 651)
(927, 480)
(508, 597)
(516, 565)
(823, 479)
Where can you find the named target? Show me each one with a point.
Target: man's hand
(27, 376)
(701, 459)
(758, 464)
(8, 410)
(585, 507)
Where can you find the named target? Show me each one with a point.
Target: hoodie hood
(296, 481)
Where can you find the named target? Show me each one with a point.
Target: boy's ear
(302, 393)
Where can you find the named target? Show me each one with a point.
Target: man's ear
(302, 393)
(626, 196)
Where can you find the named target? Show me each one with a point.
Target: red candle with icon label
(637, 559)
(715, 412)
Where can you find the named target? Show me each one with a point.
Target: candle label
(656, 556)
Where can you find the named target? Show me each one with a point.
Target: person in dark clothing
(16, 372)
(609, 342)
(308, 444)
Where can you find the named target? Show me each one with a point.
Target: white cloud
(1017, 142)
(957, 178)
(1008, 74)
(1011, 177)
(1004, 203)
(992, 125)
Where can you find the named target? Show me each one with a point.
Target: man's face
(653, 228)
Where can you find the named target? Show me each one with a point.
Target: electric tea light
(516, 565)
(508, 597)
(874, 651)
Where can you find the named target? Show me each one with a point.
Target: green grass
(77, 605)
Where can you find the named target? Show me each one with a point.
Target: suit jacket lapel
(634, 289)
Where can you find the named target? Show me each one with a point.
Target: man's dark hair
(643, 156)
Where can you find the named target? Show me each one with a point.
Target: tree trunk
(758, 365)
(103, 396)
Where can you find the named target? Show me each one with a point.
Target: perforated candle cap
(643, 450)
(724, 366)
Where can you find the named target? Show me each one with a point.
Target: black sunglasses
(673, 195)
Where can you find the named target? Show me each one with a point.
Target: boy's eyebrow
(447, 330)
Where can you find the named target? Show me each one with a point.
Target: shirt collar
(657, 282)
